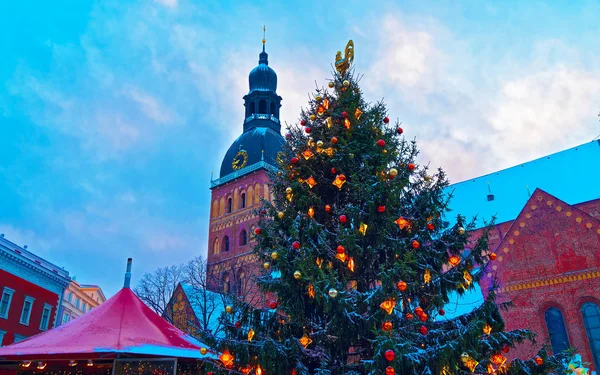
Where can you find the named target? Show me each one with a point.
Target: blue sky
(114, 113)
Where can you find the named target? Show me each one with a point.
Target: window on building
(229, 205)
(252, 109)
(77, 302)
(45, 321)
(557, 331)
(240, 283)
(2, 333)
(26, 312)
(7, 294)
(243, 237)
(19, 338)
(225, 243)
(243, 200)
(83, 306)
(216, 246)
(591, 321)
(262, 107)
(226, 284)
(273, 109)
(70, 297)
(65, 318)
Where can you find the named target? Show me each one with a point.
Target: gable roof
(560, 174)
(123, 324)
(195, 296)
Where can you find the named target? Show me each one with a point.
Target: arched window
(243, 237)
(229, 205)
(591, 321)
(216, 246)
(240, 283)
(557, 331)
(252, 109)
(215, 208)
(225, 243)
(226, 283)
(243, 200)
(262, 107)
(272, 111)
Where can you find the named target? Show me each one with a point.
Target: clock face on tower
(240, 160)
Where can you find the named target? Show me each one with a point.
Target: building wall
(180, 313)
(228, 270)
(11, 325)
(77, 301)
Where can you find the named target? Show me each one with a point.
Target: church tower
(242, 183)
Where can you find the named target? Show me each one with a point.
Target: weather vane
(264, 34)
(342, 65)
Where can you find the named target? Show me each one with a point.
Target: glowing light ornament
(498, 359)
(347, 123)
(358, 113)
(311, 182)
(226, 358)
(319, 262)
(487, 329)
(341, 256)
(427, 277)
(401, 222)
(307, 154)
(305, 340)
(289, 194)
(454, 260)
(362, 229)
(469, 362)
(320, 110)
(258, 370)
(311, 291)
(351, 264)
(329, 122)
(467, 277)
(328, 151)
(311, 212)
(326, 103)
(339, 181)
(388, 305)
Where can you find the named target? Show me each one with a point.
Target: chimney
(1, 235)
(128, 274)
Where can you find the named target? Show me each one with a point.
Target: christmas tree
(360, 256)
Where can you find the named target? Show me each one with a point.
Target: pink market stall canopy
(122, 325)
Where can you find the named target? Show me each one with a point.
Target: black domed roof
(263, 78)
(254, 141)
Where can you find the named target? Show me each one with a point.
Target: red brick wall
(22, 289)
(548, 256)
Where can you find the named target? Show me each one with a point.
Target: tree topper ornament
(342, 65)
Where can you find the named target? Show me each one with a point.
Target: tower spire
(264, 57)
(264, 40)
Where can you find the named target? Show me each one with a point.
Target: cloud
(150, 106)
(168, 3)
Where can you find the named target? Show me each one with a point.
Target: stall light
(26, 364)
(72, 363)
(41, 365)
(90, 363)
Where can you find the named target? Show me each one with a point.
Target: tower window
(243, 237)
(243, 200)
(591, 321)
(229, 205)
(262, 107)
(272, 112)
(240, 283)
(226, 284)
(216, 246)
(555, 324)
(225, 243)
(252, 109)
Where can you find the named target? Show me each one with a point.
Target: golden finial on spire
(264, 34)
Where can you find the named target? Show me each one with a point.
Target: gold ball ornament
(274, 255)
(427, 178)
(333, 293)
(297, 275)
(203, 351)
(280, 214)
(266, 265)
(319, 143)
(228, 309)
(346, 83)
(356, 90)
(330, 84)
(461, 230)
(318, 98)
(288, 190)
(312, 117)
(393, 172)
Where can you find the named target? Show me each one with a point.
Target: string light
(41, 365)
(72, 363)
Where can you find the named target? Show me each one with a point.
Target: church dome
(263, 78)
(253, 146)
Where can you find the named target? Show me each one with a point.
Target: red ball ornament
(493, 256)
(505, 349)
(303, 122)
(386, 120)
(327, 208)
(344, 114)
(386, 326)
(307, 129)
(263, 212)
(296, 245)
(400, 131)
(419, 311)
(341, 249)
(390, 355)
(430, 226)
(288, 135)
(257, 231)
(411, 167)
(381, 209)
(272, 305)
(423, 330)
(409, 316)
(539, 361)
(415, 244)
(238, 324)
(441, 312)
(295, 160)
(389, 370)
(381, 143)
(210, 373)
(334, 140)
(402, 286)
(343, 219)
(342, 177)
(333, 170)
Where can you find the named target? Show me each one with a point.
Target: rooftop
(9, 248)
